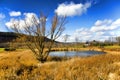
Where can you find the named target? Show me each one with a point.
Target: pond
(75, 53)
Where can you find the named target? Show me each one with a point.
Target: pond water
(75, 53)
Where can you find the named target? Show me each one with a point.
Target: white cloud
(101, 30)
(72, 9)
(104, 22)
(106, 25)
(29, 18)
(22, 22)
(2, 16)
(15, 13)
(9, 24)
(12, 22)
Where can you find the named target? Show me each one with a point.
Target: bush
(9, 49)
(56, 58)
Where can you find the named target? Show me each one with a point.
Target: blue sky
(87, 19)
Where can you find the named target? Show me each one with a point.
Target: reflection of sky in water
(74, 53)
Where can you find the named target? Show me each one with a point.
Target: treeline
(10, 36)
(110, 42)
(7, 36)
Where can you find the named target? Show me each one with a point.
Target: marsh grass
(1, 49)
(112, 48)
(22, 65)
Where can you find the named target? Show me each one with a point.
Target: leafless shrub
(35, 34)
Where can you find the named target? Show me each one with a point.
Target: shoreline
(87, 49)
(108, 51)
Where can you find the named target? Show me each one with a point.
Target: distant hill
(9, 36)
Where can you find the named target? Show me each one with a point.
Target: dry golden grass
(22, 65)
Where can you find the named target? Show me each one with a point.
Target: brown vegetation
(37, 32)
(22, 65)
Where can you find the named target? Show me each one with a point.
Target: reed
(22, 65)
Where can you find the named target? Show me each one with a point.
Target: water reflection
(75, 53)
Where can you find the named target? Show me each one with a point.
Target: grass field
(112, 48)
(1, 49)
(22, 65)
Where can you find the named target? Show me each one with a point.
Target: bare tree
(76, 41)
(34, 35)
(65, 37)
(111, 40)
(118, 40)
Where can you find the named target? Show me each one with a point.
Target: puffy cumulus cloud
(104, 22)
(83, 34)
(72, 9)
(79, 33)
(101, 25)
(21, 23)
(29, 15)
(10, 23)
(101, 30)
(15, 22)
(106, 25)
(116, 24)
(29, 18)
(2, 16)
(15, 13)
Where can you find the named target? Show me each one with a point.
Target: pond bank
(75, 49)
(87, 49)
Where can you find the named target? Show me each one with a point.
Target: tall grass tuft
(22, 65)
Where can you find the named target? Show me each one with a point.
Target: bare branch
(35, 34)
